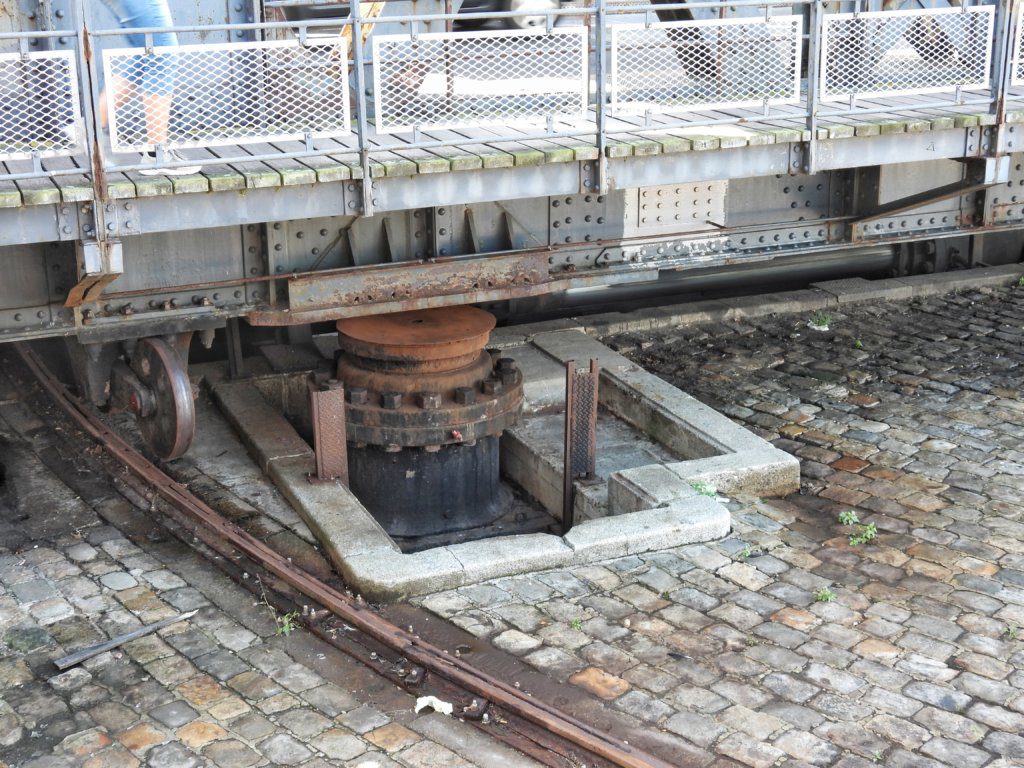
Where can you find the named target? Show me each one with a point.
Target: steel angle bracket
(859, 230)
(100, 262)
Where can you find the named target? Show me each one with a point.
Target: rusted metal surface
(426, 407)
(404, 282)
(407, 423)
(327, 409)
(216, 530)
(580, 433)
(417, 379)
(162, 402)
(417, 342)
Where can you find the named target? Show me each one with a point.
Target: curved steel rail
(417, 651)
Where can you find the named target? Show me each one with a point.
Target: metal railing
(667, 67)
(592, 73)
(896, 53)
(40, 113)
(232, 93)
(468, 79)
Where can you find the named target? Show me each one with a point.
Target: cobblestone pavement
(222, 689)
(786, 644)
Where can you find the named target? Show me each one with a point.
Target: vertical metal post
(361, 118)
(327, 412)
(815, 25)
(567, 461)
(601, 78)
(90, 110)
(1003, 49)
(580, 459)
(236, 363)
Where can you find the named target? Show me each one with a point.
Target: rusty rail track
(224, 536)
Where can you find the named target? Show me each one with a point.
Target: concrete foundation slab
(266, 433)
(654, 443)
(685, 521)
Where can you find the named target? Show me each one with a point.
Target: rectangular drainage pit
(654, 443)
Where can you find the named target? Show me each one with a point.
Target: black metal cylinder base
(413, 492)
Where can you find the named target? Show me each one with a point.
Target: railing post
(1003, 50)
(601, 79)
(91, 95)
(815, 25)
(362, 124)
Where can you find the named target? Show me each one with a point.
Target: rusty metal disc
(169, 426)
(441, 339)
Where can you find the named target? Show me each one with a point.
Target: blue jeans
(154, 73)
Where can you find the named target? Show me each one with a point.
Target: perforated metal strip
(581, 399)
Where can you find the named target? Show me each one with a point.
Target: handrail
(670, 49)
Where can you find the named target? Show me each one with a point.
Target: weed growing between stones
(704, 489)
(863, 535)
(824, 595)
(820, 321)
(287, 624)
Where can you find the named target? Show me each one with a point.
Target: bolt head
(508, 378)
(391, 401)
(358, 396)
(506, 364)
(465, 395)
(491, 386)
(430, 400)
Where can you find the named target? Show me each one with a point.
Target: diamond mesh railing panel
(465, 79)
(236, 93)
(1017, 75)
(893, 53)
(39, 105)
(692, 65)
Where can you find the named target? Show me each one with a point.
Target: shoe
(69, 134)
(170, 156)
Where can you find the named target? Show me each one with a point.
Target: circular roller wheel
(170, 424)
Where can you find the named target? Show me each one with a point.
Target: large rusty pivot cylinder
(426, 406)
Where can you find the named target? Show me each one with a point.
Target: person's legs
(122, 90)
(151, 77)
(155, 83)
(157, 108)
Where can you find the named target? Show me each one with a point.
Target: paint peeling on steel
(410, 281)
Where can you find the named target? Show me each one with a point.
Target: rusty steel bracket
(402, 286)
(100, 262)
(327, 412)
(580, 433)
